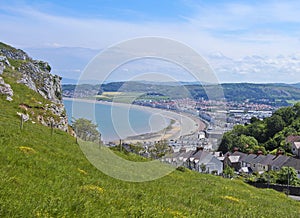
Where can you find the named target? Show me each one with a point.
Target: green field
(44, 175)
(121, 97)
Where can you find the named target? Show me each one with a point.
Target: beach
(181, 124)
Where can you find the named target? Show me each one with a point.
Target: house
(295, 163)
(195, 160)
(278, 162)
(296, 148)
(266, 162)
(256, 164)
(246, 163)
(178, 158)
(203, 160)
(292, 138)
(234, 160)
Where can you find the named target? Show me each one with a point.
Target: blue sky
(235, 29)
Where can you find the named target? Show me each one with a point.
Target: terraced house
(248, 163)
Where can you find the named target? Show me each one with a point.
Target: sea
(116, 121)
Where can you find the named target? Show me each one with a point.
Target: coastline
(182, 124)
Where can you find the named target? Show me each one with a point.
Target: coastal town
(195, 132)
(212, 119)
(198, 151)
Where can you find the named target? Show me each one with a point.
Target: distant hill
(297, 85)
(275, 94)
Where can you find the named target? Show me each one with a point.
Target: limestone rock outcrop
(36, 76)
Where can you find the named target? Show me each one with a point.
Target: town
(199, 151)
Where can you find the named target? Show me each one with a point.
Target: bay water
(116, 121)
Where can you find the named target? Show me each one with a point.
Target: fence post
(22, 122)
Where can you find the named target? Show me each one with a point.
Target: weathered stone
(2, 67)
(25, 117)
(4, 60)
(5, 88)
(15, 54)
(41, 81)
(8, 98)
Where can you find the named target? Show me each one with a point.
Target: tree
(86, 130)
(288, 175)
(274, 125)
(161, 148)
(226, 143)
(228, 171)
(287, 114)
(247, 143)
(203, 167)
(254, 119)
(271, 144)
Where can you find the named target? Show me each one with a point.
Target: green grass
(8, 47)
(49, 176)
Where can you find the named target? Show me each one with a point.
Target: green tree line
(268, 135)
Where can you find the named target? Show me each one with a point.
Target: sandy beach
(181, 123)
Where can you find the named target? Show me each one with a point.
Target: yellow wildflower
(230, 198)
(27, 150)
(94, 188)
(82, 171)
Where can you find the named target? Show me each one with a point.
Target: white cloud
(257, 69)
(267, 28)
(31, 28)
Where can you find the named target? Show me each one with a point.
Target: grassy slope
(55, 180)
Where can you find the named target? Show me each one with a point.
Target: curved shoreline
(183, 124)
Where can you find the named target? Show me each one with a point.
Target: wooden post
(51, 125)
(120, 145)
(22, 122)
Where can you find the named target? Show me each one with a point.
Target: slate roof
(268, 159)
(279, 161)
(204, 156)
(293, 162)
(258, 159)
(249, 158)
(292, 138)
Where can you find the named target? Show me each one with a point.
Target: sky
(244, 41)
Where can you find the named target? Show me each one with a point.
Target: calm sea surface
(115, 122)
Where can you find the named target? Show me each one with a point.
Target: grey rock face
(36, 76)
(5, 88)
(3, 61)
(15, 54)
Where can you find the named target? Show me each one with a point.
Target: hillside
(48, 176)
(45, 174)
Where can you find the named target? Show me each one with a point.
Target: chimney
(259, 153)
(235, 149)
(279, 152)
